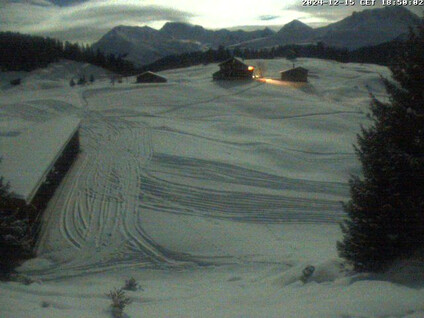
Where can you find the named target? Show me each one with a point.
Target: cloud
(268, 17)
(32, 2)
(85, 22)
(64, 3)
(329, 14)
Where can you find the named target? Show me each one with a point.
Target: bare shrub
(119, 302)
(307, 273)
(260, 69)
(131, 284)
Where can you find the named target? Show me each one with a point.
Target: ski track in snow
(236, 205)
(119, 181)
(98, 202)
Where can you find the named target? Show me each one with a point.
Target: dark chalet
(296, 74)
(150, 77)
(233, 69)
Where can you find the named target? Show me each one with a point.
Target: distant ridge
(144, 45)
(365, 28)
(368, 27)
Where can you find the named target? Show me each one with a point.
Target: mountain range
(143, 45)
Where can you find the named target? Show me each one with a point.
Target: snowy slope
(214, 196)
(142, 45)
(36, 121)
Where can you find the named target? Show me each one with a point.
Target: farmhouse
(35, 160)
(297, 74)
(233, 69)
(150, 77)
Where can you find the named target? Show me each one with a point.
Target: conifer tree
(386, 210)
(15, 238)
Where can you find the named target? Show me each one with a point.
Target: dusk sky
(87, 20)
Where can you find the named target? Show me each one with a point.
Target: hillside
(213, 196)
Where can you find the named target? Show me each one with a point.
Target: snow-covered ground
(213, 196)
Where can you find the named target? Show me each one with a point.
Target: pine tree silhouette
(386, 211)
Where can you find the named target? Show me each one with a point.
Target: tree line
(21, 52)
(382, 54)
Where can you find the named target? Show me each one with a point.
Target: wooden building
(150, 77)
(296, 74)
(233, 69)
(35, 162)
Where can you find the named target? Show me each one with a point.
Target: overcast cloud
(87, 20)
(268, 17)
(83, 22)
(328, 14)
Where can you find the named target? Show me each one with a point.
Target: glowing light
(250, 68)
(279, 82)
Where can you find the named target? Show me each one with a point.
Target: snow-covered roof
(150, 75)
(232, 60)
(296, 69)
(27, 158)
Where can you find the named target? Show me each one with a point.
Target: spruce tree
(15, 237)
(386, 210)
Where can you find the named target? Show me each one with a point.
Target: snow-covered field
(214, 196)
